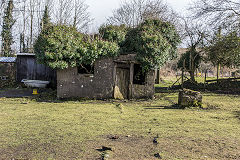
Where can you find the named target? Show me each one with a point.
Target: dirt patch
(143, 148)
(123, 147)
(41, 151)
(187, 148)
(129, 147)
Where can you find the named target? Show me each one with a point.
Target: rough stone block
(189, 98)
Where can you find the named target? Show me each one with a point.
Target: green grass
(75, 129)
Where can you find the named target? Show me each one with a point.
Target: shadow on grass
(44, 95)
(166, 89)
(16, 93)
(175, 106)
(237, 114)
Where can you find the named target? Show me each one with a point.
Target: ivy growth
(154, 42)
(60, 47)
(114, 33)
(190, 61)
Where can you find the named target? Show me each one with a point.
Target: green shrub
(114, 33)
(60, 47)
(154, 41)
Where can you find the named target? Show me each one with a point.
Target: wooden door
(122, 83)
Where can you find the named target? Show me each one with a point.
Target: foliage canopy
(225, 50)
(190, 61)
(154, 42)
(191, 56)
(60, 47)
(114, 33)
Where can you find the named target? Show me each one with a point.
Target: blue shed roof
(8, 59)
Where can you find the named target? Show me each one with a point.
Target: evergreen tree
(46, 20)
(190, 61)
(23, 48)
(8, 22)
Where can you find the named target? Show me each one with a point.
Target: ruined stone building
(119, 78)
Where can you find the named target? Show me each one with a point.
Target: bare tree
(136, 11)
(224, 13)
(28, 15)
(223, 17)
(194, 34)
(81, 17)
(63, 11)
(73, 13)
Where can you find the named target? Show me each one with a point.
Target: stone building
(119, 78)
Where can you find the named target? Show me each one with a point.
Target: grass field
(30, 129)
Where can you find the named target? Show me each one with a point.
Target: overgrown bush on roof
(60, 47)
(154, 41)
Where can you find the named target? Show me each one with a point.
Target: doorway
(122, 82)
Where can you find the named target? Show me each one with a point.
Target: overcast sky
(101, 9)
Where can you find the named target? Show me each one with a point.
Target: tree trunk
(158, 80)
(218, 70)
(192, 77)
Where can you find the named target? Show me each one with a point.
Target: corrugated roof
(25, 54)
(8, 59)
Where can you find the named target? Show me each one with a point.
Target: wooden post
(158, 76)
(115, 79)
(182, 78)
(131, 80)
(205, 78)
(218, 70)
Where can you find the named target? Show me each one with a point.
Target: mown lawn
(78, 129)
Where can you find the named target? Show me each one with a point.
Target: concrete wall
(99, 85)
(147, 90)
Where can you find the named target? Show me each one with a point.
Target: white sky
(101, 9)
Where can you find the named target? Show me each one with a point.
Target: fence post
(205, 78)
(182, 78)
